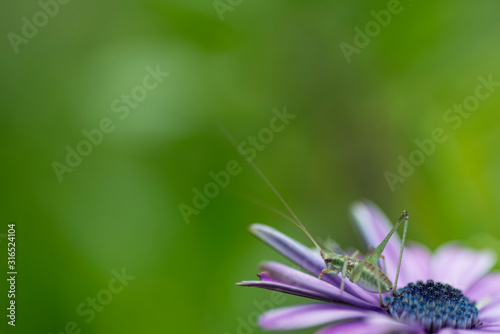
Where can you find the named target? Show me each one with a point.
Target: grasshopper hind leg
(406, 217)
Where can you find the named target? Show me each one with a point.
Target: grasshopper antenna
(270, 208)
(296, 220)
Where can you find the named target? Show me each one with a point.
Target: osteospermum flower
(447, 292)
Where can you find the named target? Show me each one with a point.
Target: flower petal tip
(242, 283)
(258, 229)
(361, 205)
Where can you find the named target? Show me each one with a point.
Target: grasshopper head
(333, 261)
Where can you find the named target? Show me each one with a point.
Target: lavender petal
(415, 264)
(487, 286)
(491, 311)
(491, 327)
(309, 315)
(286, 288)
(290, 248)
(459, 266)
(488, 328)
(290, 276)
(306, 258)
(373, 226)
(374, 325)
(452, 331)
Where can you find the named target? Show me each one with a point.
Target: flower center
(434, 306)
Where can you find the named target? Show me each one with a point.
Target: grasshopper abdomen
(371, 277)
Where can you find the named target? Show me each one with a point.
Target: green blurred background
(120, 207)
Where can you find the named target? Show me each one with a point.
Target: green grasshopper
(365, 273)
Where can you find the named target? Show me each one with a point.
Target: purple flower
(447, 292)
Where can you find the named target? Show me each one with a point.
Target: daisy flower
(448, 292)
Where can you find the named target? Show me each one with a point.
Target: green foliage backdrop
(233, 63)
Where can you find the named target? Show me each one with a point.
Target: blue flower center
(433, 305)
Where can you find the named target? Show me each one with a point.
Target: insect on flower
(366, 273)
(448, 292)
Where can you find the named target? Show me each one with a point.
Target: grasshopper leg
(383, 260)
(344, 273)
(344, 268)
(327, 271)
(355, 254)
(407, 217)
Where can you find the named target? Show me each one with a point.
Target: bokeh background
(120, 207)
